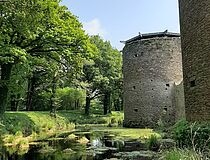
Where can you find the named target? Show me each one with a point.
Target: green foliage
(28, 123)
(79, 118)
(52, 44)
(196, 135)
(33, 123)
(53, 31)
(181, 133)
(18, 86)
(71, 98)
(48, 53)
(178, 154)
(153, 143)
(67, 99)
(11, 54)
(109, 63)
(102, 74)
(42, 101)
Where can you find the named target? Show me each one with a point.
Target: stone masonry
(152, 68)
(195, 36)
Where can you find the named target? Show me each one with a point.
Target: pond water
(94, 145)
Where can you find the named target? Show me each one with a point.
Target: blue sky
(118, 20)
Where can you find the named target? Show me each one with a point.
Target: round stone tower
(152, 67)
(195, 36)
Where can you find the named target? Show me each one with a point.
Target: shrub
(181, 133)
(195, 135)
(178, 154)
(153, 143)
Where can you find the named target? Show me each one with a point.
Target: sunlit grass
(21, 128)
(29, 122)
(79, 118)
(131, 133)
(42, 125)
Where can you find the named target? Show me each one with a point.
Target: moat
(80, 145)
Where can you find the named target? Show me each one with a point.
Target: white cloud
(94, 28)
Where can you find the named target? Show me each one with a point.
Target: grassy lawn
(131, 133)
(39, 122)
(79, 119)
(23, 127)
(28, 122)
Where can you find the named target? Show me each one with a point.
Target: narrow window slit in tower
(136, 55)
(167, 85)
(192, 83)
(134, 87)
(136, 109)
(165, 109)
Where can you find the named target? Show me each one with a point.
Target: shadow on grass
(18, 122)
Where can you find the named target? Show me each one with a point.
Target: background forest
(48, 63)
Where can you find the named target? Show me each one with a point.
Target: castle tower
(152, 67)
(195, 36)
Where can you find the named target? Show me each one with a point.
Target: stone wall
(195, 36)
(150, 68)
(179, 101)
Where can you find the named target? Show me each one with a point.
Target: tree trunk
(13, 102)
(52, 98)
(75, 104)
(117, 104)
(4, 77)
(87, 105)
(121, 104)
(78, 104)
(107, 103)
(30, 93)
(17, 102)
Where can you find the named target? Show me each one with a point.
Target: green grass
(181, 154)
(131, 133)
(19, 127)
(80, 119)
(40, 125)
(29, 123)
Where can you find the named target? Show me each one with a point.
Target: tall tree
(110, 68)
(18, 86)
(37, 28)
(90, 82)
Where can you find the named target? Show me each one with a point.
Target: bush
(178, 154)
(181, 133)
(196, 135)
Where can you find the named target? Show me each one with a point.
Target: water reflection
(96, 147)
(97, 143)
